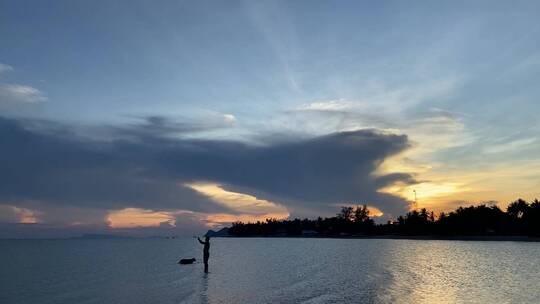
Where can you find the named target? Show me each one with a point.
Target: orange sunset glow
(135, 217)
(249, 208)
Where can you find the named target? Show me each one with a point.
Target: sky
(145, 118)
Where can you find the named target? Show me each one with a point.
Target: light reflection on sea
(269, 270)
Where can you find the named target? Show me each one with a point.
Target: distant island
(520, 221)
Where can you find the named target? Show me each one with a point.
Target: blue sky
(460, 79)
(107, 59)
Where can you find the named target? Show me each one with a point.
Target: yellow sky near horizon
(443, 188)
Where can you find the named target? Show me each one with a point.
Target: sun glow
(424, 193)
(248, 207)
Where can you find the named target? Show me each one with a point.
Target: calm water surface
(258, 270)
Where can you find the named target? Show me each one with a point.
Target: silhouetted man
(206, 252)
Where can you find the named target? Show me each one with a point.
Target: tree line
(519, 218)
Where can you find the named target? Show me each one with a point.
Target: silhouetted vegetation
(520, 218)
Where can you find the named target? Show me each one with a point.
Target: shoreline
(481, 238)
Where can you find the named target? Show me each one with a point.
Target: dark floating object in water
(187, 261)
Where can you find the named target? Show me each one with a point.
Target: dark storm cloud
(335, 168)
(57, 167)
(147, 170)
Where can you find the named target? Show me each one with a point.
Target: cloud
(10, 214)
(56, 167)
(383, 99)
(510, 146)
(51, 167)
(248, 208)
(326, 106)
(136, 217)
(229, 118)
(161, 126)
(430, 130)
(5, 68)
(20, 93)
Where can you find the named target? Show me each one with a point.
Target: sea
(269, 270)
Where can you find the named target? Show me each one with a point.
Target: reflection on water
(261, 270)
(204, 291)
(464, 272)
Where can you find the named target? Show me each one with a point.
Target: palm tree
(517, 209)
(361, 214)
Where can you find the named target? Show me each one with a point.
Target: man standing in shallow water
(206, 252)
